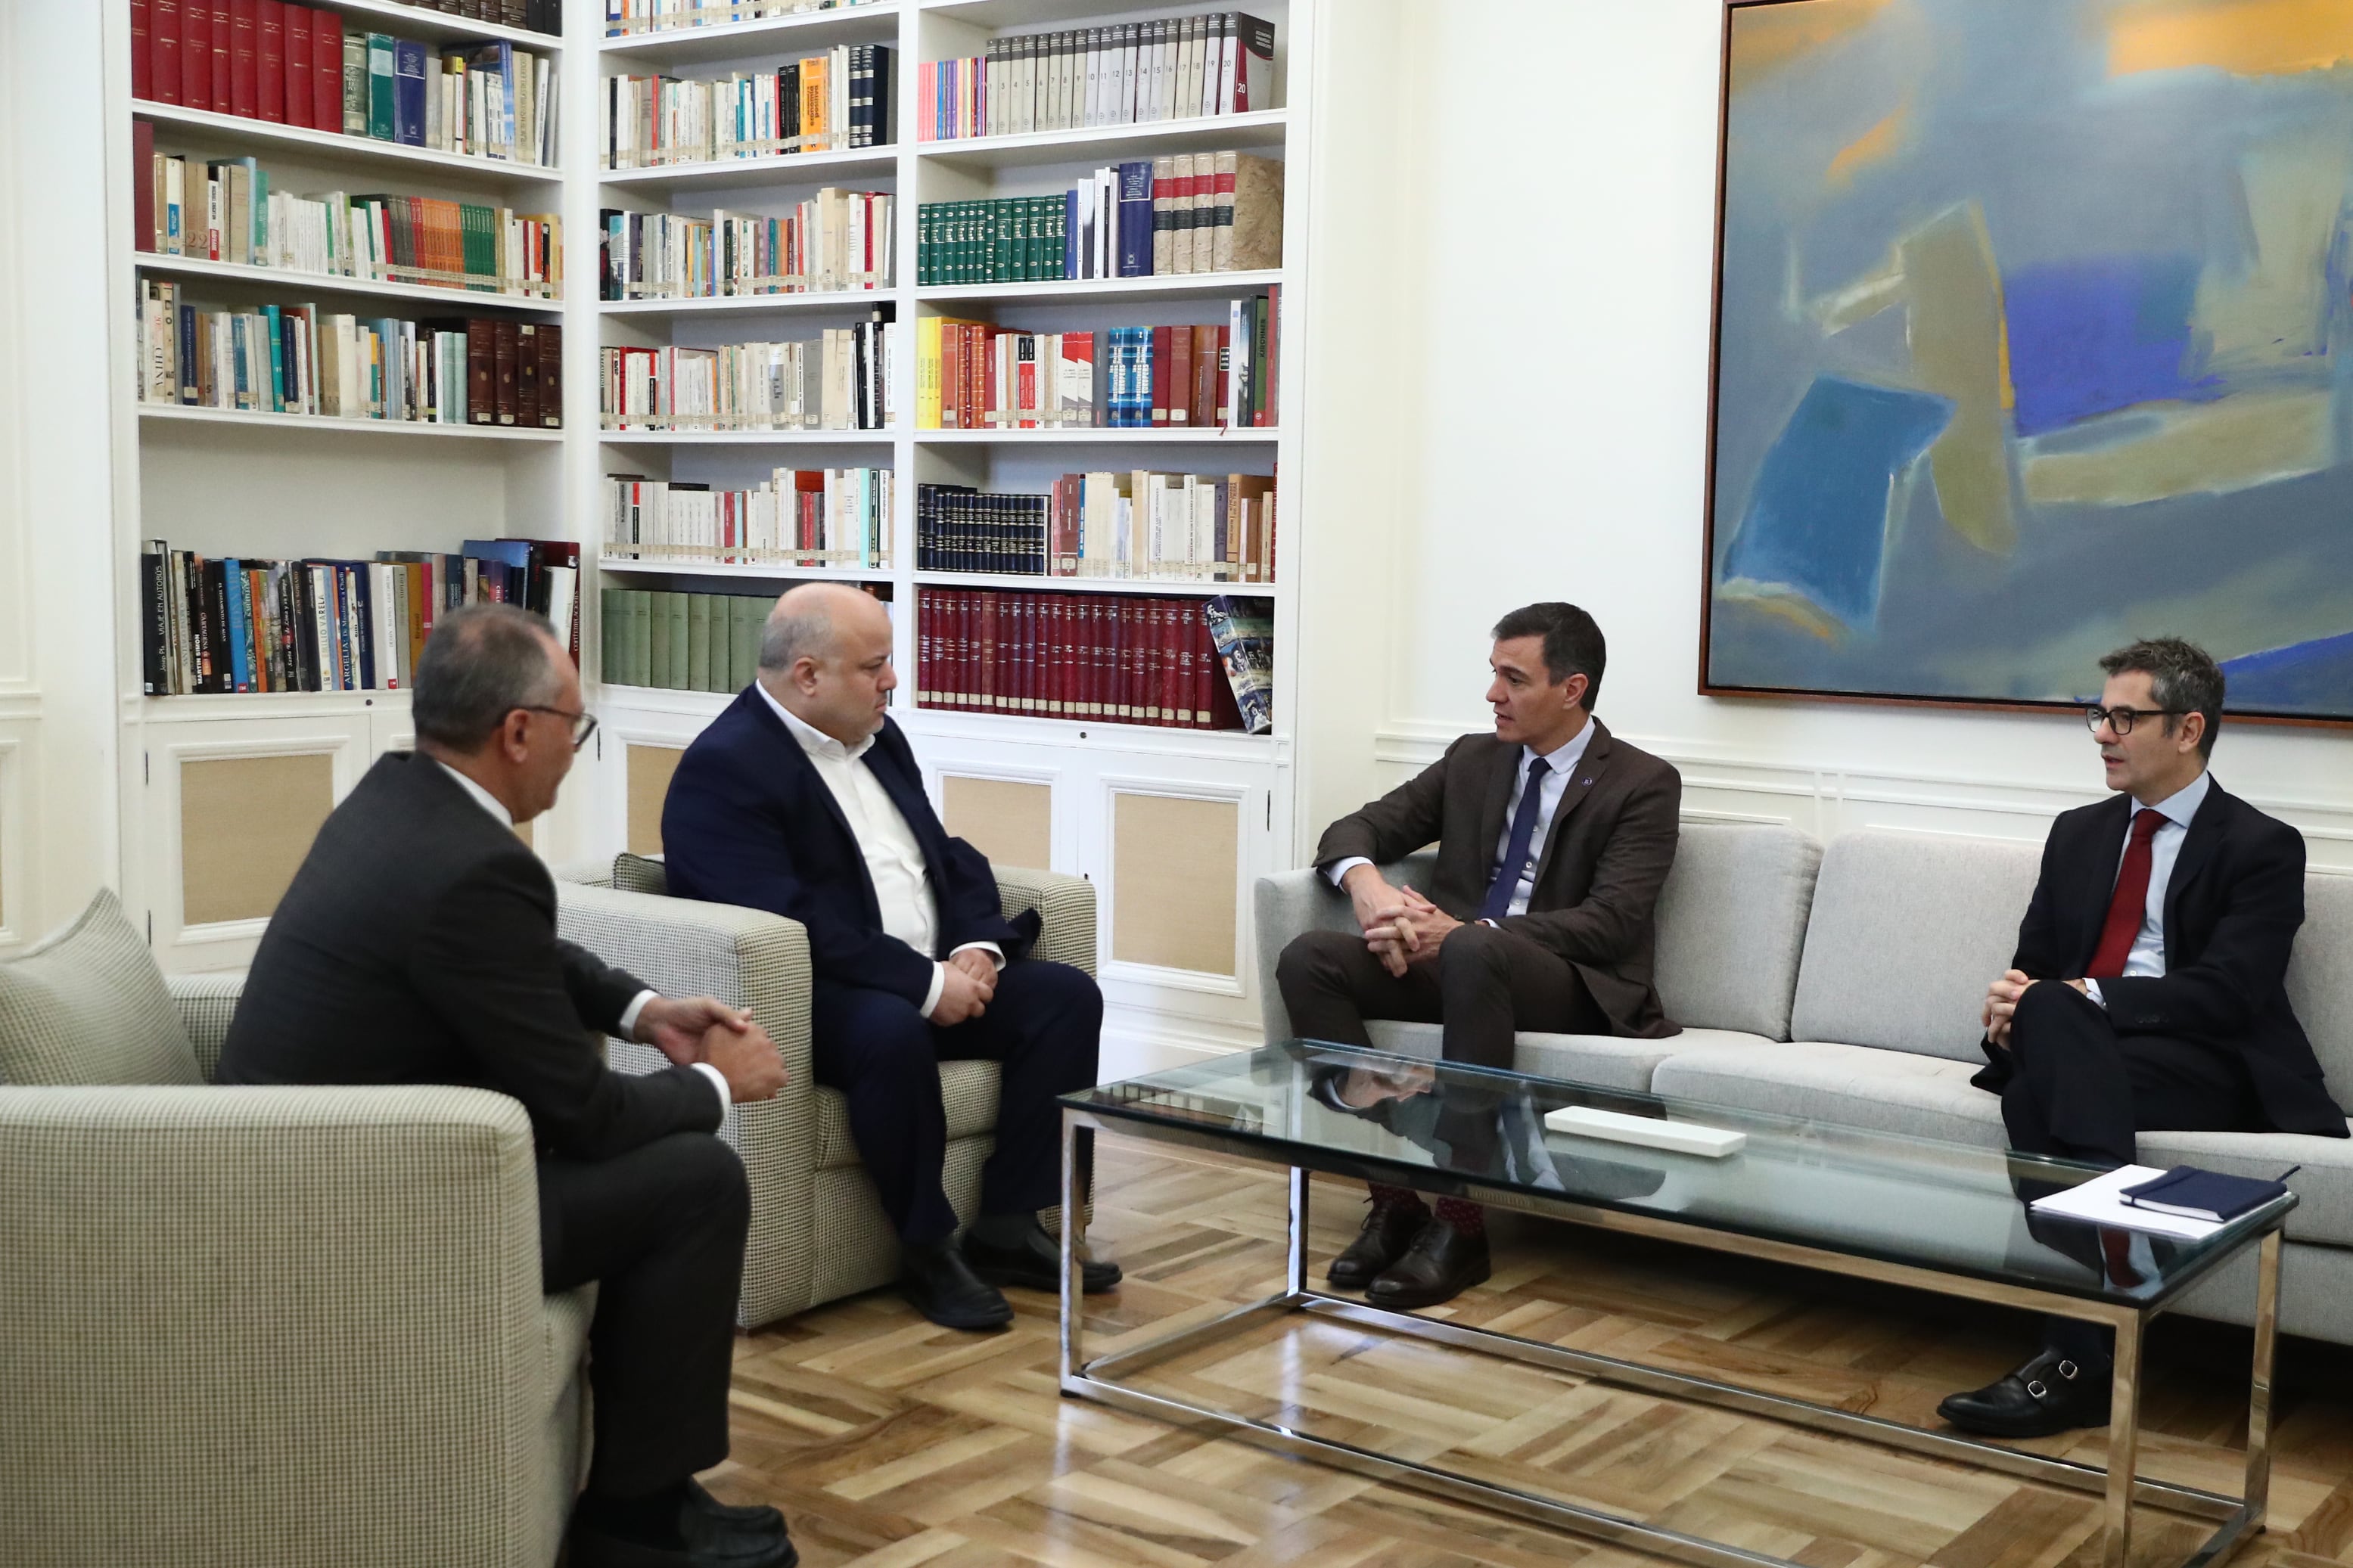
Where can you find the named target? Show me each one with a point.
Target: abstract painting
(2034, 334)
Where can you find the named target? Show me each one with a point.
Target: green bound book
(637, 653)
(748, 618)
(610, 626)
(698, 642)
(381, 76)
(658, 646)
(681, 671)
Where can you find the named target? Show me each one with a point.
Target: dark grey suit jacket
(1607, 854)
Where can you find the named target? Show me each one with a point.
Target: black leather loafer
(703, 1540)
(756, 1518)
(1389, 1230)
(1036, 1264)
(2053, 1392)
(1441, 1265)
(943, 1286)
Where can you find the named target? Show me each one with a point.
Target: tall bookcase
(1173, 826)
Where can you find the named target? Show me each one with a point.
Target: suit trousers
(1044, 1026)
(1484, 985)
(662, 1231)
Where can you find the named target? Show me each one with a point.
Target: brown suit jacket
(1607, 854)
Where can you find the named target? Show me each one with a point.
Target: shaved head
(807, 622)
(825, 654)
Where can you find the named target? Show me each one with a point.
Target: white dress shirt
(2148, 956)
(629, 1025)
(1562, 761)
(894, 861)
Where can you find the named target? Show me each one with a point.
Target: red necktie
(2129, 906)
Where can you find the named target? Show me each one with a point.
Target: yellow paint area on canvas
(2272, 311)
(1961, 351)
(1766, 38)
(1778, 601)
(2247, 37)
(2190, 449)
(1876, 145)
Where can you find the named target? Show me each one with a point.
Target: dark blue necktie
(1498, 903)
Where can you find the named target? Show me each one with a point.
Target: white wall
(1561, 209)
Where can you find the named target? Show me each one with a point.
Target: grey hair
(481, 663)
(2182, 677)
(785, 640)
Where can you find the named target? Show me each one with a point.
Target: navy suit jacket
(749, 821)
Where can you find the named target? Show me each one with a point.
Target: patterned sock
(1385, 1196)
(1464, 1216)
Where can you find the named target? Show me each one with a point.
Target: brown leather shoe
(1441, 1265)
(1389, 1230)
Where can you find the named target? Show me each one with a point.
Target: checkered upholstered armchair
(279, 1325)
(817, 1229)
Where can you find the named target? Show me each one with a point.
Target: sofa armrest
(593, 873)
(1289, 904)
(267, 1324)
(1066, 912)
(205, 1004)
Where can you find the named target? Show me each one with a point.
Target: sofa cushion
(1732, 922)
(1882, 1091)
(1907, 929)
(2320, 982)
(968, 1090)
(88, 1005)
(641, 874)
(1607, 1060)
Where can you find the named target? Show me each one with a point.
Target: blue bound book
(2193, 1193)
(407, 93)
(1136, 219)
(240, 625)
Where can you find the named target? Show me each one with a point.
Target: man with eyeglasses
(418, 945)
(2146, 991)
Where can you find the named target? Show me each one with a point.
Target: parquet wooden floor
(889, 1443)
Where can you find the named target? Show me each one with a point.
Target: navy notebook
(2193, 1193)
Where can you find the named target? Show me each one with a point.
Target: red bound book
(1129, 651)
(1206, 379)
(551, 375)
(926, 610)
(1066, 705)
(1176, 676)
(327, 71)
(301, 67)
(163, 51)
(1161, 357)
(197, 54)
(142, 51)
(1180, 376)
(1168, 686)
(223, 30)
(1099, 698)
(502, 341)
(952, 653)
(270, 60)
(244, 57)
(142, 187)
(1030, 668)
(482, 371)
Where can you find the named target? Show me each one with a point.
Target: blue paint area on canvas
(1817, 522)
(2304, 678)
(2095, 336)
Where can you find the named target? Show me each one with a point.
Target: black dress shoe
(695, 1538)
(2053, 1392)
(943, 1286)
(1035, 1263)
(1389, 1230)
(1441, 1265)
(739, 1517)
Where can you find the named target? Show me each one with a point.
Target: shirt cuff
(932, 997)
(996, 953)
(630, 1025)
(718, 1081)
(1337, 871)
(2092, 989)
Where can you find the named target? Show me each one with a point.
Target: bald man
(803, 799)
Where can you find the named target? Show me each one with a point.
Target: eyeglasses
(584, 723)
(2121, 719)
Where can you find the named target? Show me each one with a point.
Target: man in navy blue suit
(803, 798)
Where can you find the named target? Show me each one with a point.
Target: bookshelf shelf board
(277, 704)
(641, 52)
(1165, 588)
(625, 566)
(1097, 437)
(1094, 734)
(743, 438)
(176, 411)
(416, 22)
(1215, 133)
(336, 283)
(749, 304)
(794, 168)
(363, 148)
(997, 13)
(1137, 290)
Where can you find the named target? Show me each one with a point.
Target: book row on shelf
(299, 358)
(220, 626)
(684, 641)
(1216, 528)
(1195, 211)
(1185, 664)
(227, 210)
(840, 381)
(626, 19)
(799, 516)
(836, 241)
(974, 375)
(299, 66)
(831, 102)
(1128, 73)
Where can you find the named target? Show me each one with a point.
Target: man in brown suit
(1554, 838)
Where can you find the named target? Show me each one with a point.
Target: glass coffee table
(1946, 1217)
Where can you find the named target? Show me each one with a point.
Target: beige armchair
(818, 1232)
